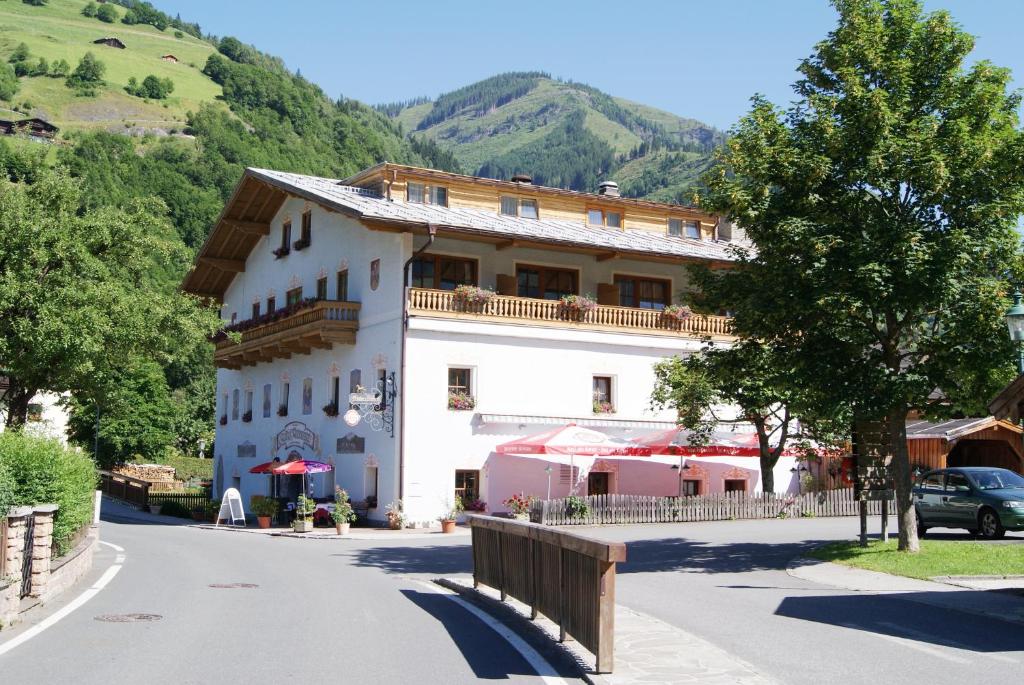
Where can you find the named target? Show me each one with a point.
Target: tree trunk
(768, 473)
(903, 479)
(17, 400)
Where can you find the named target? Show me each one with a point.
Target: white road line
(111, 545)
(56, 616)
(904, 642)
(545, 670)
(949, 643)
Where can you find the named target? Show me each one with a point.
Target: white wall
(336, 242)
(53, 422)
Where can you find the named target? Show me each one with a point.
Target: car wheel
(921, 528)
(989, 525)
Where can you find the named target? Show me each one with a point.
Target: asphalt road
(726, 582)
(321, 611)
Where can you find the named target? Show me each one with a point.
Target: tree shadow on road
(437, 559)
(694, 556)
(878, 614)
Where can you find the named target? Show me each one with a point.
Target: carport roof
(955, 428)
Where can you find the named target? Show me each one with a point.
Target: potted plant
(395, 516)
(282, 410)
(199, 513)
(602, 406)
(265, 509)
(448, 519)
(471, 298)
(519, 506)
(223, 419)
(304, 509)
(460, 401)
(576, 307)
(343, 514)
(475, 505)
(155, 508)
(247, 417)
(676, 312)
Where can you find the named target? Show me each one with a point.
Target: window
(644, 293)
(675, 227)
(336, 391)
(255, 310)
(234, 318)
(692, 229)
(306, 237)
(248, 402)
(444, 273)
(321, 288)
(286, 236)
(521, 207)
(266, 401)
(690, 488)
(545, 283)
(234, 404)
(271, 305)
(282, 409)
(434, 195)
(467, 485)
(957, 482)
(355, 379)
(382, 383)
(600, 217)
(460, 389)
(293, 296)
(735, 485)
(224, 409)
(933, 481)
(307, 396)
(342, 293)
(35, 412)
(370, 486)
(602, 395)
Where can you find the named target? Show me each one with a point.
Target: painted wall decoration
(296, 434)
(351, 444)
(247, 450)
(374, 274)
(266, 401)
(307, 396)
(379, 361)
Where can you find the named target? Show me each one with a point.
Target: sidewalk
(647, 650)
(984, 596)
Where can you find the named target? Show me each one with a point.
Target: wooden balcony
(552, 313)
(319, 326)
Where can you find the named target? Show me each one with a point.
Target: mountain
(563, 133)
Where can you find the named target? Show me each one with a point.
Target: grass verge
(936, 558)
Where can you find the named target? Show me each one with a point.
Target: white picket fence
(603, 509)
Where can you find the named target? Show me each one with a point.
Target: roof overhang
(957, 428)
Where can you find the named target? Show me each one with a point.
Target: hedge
(46, 472)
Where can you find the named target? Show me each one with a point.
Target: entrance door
(597, 484)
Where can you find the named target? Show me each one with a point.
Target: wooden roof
(956, 428)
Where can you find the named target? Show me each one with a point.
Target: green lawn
(57, 30)
(937, 558)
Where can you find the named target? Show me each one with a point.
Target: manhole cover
(231, 586)
(127, 618)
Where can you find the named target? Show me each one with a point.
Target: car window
(997, 479)
(933, 481)
(957, 482)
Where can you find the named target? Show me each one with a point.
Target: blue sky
(700, 59)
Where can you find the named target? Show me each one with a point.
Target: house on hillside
(403, 323)
(33, 127)
(170, 58)
(110, 42)
(47, 414)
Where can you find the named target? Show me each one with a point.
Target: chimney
(609, 188)
(522, 178)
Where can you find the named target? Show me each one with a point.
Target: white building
(47, 414)
(380, 254)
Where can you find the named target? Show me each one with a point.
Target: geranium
(460, 401)
(679, 312)
(576, 306)
(520, 504)
(472, 295)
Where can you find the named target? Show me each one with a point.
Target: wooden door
(597, 484)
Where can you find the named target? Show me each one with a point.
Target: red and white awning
(573, 440)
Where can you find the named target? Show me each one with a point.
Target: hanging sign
(872, 448)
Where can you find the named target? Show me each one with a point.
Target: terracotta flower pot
(155, 508)
(342, 528)
(448, 526)
(263, 521)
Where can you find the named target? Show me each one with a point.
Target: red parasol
(573, 440)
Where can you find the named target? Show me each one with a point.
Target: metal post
(863, 523)
(885, 520)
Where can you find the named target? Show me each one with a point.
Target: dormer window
(429, 195)
(684, 228)
(601, 217)
(522, 207)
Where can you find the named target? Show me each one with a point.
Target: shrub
(89, 10)
(8, 82)
(576, 507)
(106, 13)
(175, 508)
(46, 472)
(60, 69)
(87, 75)
(6, 488)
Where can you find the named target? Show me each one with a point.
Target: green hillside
(564, 134)
(58, 30)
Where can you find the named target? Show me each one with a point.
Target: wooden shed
(966, 442)
(170, 58)
(110, 42)
(34, 127)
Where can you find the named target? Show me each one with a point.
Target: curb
(332, 536)
(556, 653)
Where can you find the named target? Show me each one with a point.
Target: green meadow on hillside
(58, 30)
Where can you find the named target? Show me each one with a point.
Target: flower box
(247, 417)
(282, 410)
(300, 245)
(471, 298)
(576, 307)
(676, 312)
(603, 407)
(460, 401)
(224, 420)
(281, 251)
(331, 409)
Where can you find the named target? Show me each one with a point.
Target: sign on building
(351, 444)
(246, 450)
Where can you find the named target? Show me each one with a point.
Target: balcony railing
(320, 325)
(552, 313)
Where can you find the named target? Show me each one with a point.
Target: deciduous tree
(881, 206)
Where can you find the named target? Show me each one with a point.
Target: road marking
(111, 545)
(56, 616)
(949, 643)
(544, 669)
(904, 642)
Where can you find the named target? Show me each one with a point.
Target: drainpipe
(431, 234)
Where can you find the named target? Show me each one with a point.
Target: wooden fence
(189, 500)
(125, 488)
(567, 577)
(602, 509)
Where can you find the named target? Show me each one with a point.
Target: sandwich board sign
(231, 508)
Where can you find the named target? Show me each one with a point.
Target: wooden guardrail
(723, 506)
(125, 488)
(554, 313)
(567, 577)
